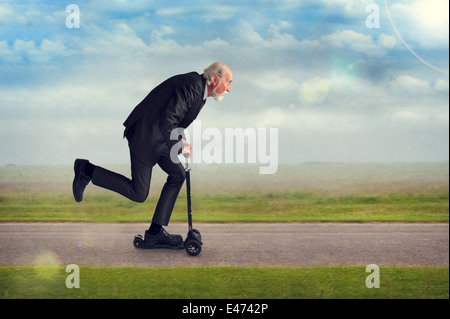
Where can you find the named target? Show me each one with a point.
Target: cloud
(441, 86)
(315, 90)
(411, 85)
(7, 55)
(386, 41)
(356, 41)
(206, 13)
(6, 13)
(336, 91)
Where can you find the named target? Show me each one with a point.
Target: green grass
(253, 207)
(225, 282)
(371, 192)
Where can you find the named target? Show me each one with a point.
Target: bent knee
(177, 178)
(139, 197)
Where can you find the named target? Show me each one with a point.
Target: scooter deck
(162, 246)
(142, 245)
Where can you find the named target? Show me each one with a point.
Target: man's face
(223, 85)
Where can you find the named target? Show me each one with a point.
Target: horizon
(244, 164)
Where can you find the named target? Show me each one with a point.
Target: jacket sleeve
(176, 109)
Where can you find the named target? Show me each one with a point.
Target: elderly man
(170, 107)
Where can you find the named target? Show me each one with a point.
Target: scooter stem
(188, 191)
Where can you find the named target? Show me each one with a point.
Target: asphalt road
(293, 245)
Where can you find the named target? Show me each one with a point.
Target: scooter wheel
(138, 242)
(193, 247)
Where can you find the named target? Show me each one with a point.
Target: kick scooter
(193, 243)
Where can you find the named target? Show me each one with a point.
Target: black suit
(173, 104)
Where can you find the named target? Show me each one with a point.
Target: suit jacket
(175, 103)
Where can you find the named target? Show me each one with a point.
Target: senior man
(170, 107)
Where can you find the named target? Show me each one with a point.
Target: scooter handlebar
(186, 161)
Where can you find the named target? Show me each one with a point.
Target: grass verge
(314, 192)
(253, 207)
(224, 282)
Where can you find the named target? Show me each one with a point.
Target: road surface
(263, 245)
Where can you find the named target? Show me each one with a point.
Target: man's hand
(187, 149)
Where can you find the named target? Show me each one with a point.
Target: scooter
(193, 243)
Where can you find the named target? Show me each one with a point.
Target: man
(169, 108)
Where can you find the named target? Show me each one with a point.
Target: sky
(339, 80)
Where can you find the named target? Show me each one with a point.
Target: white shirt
(205, 96)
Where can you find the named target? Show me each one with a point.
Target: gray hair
(218, 68)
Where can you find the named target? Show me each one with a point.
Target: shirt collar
(205, 96)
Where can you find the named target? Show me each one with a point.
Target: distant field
(314, 192)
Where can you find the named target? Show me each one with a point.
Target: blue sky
(335, 89)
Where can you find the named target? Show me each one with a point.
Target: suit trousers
(137, 188)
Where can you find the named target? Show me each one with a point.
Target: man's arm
(175, 111)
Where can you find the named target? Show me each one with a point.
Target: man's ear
(215, 79)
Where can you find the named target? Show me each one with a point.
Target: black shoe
(163, 240)
(80, 181)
